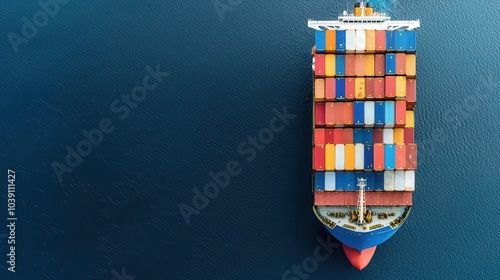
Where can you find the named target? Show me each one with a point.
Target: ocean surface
(217, 73)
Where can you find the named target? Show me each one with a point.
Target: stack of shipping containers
(364, 100)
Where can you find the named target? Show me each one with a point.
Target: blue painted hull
(361, 241)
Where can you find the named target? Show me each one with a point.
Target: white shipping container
(409, 180)
(399, 184)
(369, 113)
(339, 157)
(329, 181)
(389, 180)
(360, 41)
(388, 136)
(350, 40)
(359, 156)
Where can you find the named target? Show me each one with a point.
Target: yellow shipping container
(330, 65)
(370, 40)
(331, 40)
(399, 135)
(319, 90)
(401, 87)
(330, 157)
(411, 65)
(359, 83)
(349, 157)
(410, 119)
(370, 65)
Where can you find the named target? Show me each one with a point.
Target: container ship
(364, 152)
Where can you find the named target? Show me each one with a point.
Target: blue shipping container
(379, 114)
(358, 135)
(379, 181)
(389, 156)
(340, 65)
(389, 113)
(339, 181)
(359, 113)
(390, 64)
(368, 157)
(340, 88)
(400, 41)
(340, 41)
(320, 41)
(390, 40)
(319, 181)
(411, 41)
(329, 181)
(349, 181)
(368, 136)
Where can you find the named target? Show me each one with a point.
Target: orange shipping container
(380, 65)
(411, 156)
(390, 86)
(411, 93)
(338, 118)
(319, 136)
(330, 157)
(380, 41)
(360, 88)
(349, 157)
(410, 119)
(347, 136)
(370, 41)
(369, 88)
(378, 157)
(400, 114)
(401, 157)
(330, 65)
(370, 65)
(379, 88)
(330, 113)
(330, 40)
(399, 135)
(400, 87)
(360, 65)
(350, 62)
(348, 113)
(330, 89)
(411, 65)
(400, 63)
(338, 135)
(350, 88)
(319, 90)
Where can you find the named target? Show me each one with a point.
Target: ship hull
(362, 240)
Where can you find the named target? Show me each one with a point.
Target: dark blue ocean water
(117, 213)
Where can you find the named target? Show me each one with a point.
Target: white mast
(361, 200)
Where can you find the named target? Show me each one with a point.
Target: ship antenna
(361, 200)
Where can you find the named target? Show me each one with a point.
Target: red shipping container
(319, 158)
(330, 113)
(409, 135)
(380, 41)
(350, 88)
(338, 136)
(360, 64)
(338, 108)
(378, 157)
(319, 136)
(348, 136)
(369, 88)
(390, 86)
(400, 116)
(411, 93)
(350, 62)
(411, 156)
(380, 65)
(379, 92)
(400, 63)
(348, 113)
(330, 89)
(319, 65)
(329, 136)
(319, 114)
(400, 156)
(378, 135)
